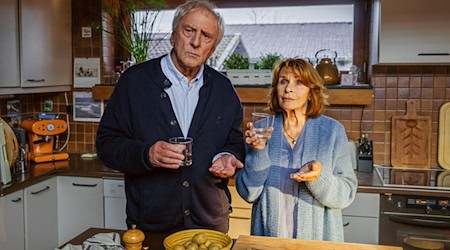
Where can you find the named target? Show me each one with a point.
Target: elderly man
(176, 95)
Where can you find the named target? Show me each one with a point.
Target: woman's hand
(308, 172)
(251, 139)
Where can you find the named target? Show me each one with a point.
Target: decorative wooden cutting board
(411, 139)
(444, 136)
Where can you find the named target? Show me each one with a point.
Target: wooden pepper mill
(133, 238)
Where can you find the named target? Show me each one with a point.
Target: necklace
(294, 140)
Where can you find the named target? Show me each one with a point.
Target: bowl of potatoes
(198, 239)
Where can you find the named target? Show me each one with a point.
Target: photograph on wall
(85, 108)
(86, 72)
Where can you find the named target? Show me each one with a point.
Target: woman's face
(293, 95)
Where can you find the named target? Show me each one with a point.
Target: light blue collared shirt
(183, 95)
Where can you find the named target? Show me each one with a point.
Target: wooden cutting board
(12, 146)
(444, 179)
(247, 242)
(411, 139)
(444, 136)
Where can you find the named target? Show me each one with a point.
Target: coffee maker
(41, 137)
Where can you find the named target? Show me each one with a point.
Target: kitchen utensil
(444, 179)
(444, 136)
(326, 67)
(5, 172)
(411, 139)
(133, 238)
(423, 244)
(41, 135)
(179, 238)
(12, 146)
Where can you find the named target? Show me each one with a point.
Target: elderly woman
(300, 178)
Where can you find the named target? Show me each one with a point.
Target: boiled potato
(187, 243)
(199, 238)
(192, 246)
(214, 246)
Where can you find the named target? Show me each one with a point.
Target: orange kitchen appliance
(41, 137)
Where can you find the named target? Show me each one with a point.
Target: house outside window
(289, 31)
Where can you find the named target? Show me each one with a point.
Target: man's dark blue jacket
(139, 114)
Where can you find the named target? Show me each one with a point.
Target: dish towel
(100, 241)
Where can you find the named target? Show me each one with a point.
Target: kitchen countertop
(77, 166)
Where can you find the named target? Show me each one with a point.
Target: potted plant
(130, 24)
(242, 72)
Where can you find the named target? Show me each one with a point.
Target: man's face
(194, 40)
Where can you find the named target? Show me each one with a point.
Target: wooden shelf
(337, 96)
(261, 95)
(102, 91)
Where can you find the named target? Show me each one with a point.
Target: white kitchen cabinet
(361, 219)
(80, 206)
(115, 204)
(240, 218)
(414, 31)
(12, 221)
(9, 45)
(41, 215)
(37, 44)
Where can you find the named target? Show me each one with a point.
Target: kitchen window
(350, 51)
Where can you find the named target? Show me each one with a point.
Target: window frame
(361, 22)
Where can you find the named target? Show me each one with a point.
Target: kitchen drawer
(240, 222)
(365, 204)
(236, 200)
(244, 213)
(360, 229)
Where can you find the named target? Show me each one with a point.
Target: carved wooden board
(411, 139)
(444, 136)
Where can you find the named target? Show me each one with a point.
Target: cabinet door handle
(35, 80)
(84, 185)
(16, 200)
(40, 191)
(239, 217)
(346, 224)
(434, 54)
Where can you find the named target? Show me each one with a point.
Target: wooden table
(245, 242)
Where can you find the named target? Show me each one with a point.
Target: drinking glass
(263, 125)
(187, 152)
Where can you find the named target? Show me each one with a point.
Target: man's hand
(166, 155)
(225, 166)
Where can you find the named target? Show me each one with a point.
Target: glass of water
(263, 124)
(187, 152)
